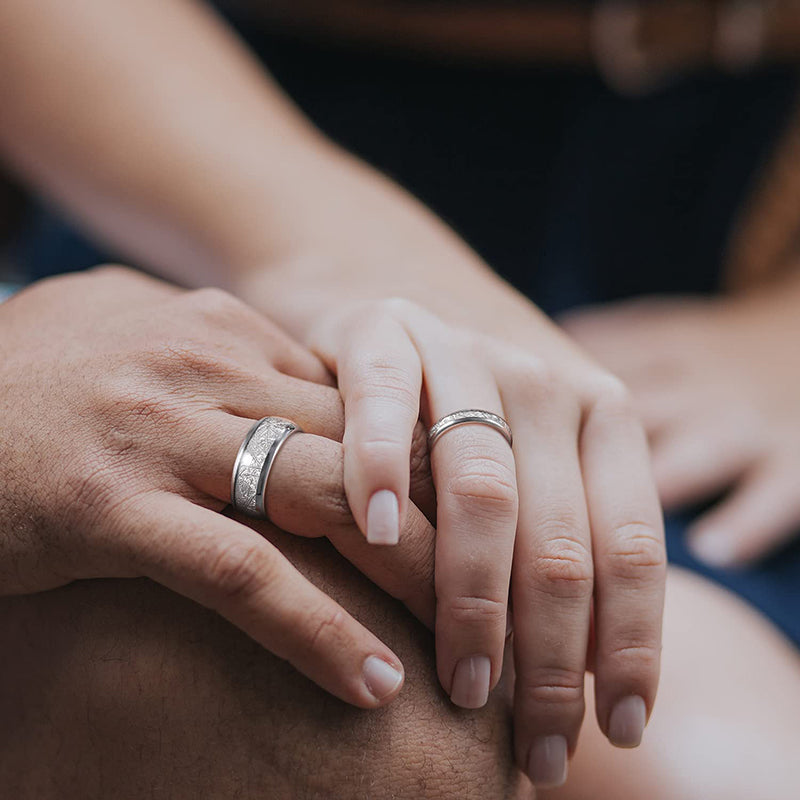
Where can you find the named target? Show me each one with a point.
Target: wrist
(343, 234)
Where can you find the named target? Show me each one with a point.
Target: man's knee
(122, 689)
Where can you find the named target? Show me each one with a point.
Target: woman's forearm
(152, 124)
(149, 121)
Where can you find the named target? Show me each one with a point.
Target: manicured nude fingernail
(471, 677)
(547, 763)
(383, 518)
(627, 721)
(713, 547)
(380, 678)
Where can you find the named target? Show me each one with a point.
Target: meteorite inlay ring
(254, 463)
(469, 416)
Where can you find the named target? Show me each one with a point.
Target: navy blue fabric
(773, 586)
(573, 194)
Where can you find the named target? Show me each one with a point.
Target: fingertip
(627, 721)
(382, 680)
(713, 547)
(471, 682)
(547, 762)
(383, 518)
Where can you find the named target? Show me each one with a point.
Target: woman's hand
(122, 407)
(718, 386)
(568, 522)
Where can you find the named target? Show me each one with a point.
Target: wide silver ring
(469, 416)
(254, 463)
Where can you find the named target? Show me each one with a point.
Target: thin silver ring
(469, 416)
(254, 463)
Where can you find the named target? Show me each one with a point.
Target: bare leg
(120, 689)
(726, 725)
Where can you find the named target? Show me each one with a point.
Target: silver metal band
(469, 416)
(254, 462)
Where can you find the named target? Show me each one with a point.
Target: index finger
(380, 378)
(227, 567)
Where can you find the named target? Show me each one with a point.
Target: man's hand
(123, 404)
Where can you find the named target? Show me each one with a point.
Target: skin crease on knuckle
(484, 486)
(562, 564)
(125, 690)
(636, 554)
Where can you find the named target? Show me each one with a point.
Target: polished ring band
(469, 416)
(254, 463)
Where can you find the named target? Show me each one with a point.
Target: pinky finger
(760, 515)
(227, 567)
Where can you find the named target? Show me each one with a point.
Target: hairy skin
(122, 689)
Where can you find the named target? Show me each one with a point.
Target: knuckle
(398, 307)
(115, 271)
(414, 584)
(237, 570)
(131, 406)
(533, 378)
(637, 654)
(484, 485)
(216, 306)
(477, 611)
(382, 380)
(548, 686)
(335, 513)
(420, 462)
(88, 488)
(562, 565)
(609, 395)
(103, 498)
(325, 631)
(532, 381)
(191, 360)
(375, 454)
(203, 364)
(637, 553)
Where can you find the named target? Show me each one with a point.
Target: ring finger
(474, 474)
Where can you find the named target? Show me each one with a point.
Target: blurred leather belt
(638, 45)
(635, 45)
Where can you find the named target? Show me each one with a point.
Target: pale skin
(717, 383)
(193, 163)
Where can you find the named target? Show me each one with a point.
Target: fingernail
(713, 547)
(627, 721)
(381, 679)
(547, 763)
(383, 518)
(471, 677)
